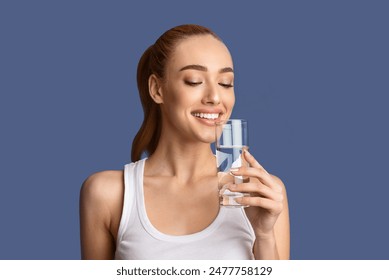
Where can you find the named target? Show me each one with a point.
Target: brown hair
(153, 61)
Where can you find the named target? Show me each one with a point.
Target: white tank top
(229, 236)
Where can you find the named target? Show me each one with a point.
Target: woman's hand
(266, 196)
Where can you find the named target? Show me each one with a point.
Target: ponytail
(147, 138)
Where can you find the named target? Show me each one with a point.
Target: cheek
(177, 101)
(180, 96)
(230, 101)
(171, 95)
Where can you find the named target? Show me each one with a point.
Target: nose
(211, 96)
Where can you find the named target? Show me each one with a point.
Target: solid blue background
(311, 78)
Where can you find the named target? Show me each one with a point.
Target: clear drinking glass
(231, 140)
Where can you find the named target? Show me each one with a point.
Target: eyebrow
(205, 69)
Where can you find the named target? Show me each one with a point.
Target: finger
(260, 174)
(252, 161)
(274, 207)
(257, 189)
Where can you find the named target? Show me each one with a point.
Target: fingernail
(232, 186)
(247, 152)
(234, 169)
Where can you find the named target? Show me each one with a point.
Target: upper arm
(97, 240)
(282, 226)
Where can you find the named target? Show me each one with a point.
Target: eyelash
(189, 83)
(193, 84)
(226, 85)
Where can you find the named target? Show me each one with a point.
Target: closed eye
(190, 83)
(226, 85)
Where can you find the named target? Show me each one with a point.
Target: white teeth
(206, 116)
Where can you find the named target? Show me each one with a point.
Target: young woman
(166, 206)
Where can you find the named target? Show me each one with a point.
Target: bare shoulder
(101, 202)
(102, 193)
(103, 185)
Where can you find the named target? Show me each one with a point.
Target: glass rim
(230, 120)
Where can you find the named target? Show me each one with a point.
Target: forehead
(203, 50)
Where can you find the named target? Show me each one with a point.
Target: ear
(155, 89)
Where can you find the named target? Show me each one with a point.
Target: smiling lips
(208, 116)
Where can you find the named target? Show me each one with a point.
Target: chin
(208, 138)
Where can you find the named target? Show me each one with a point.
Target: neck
(184, 161)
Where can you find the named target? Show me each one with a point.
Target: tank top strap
(129, 210)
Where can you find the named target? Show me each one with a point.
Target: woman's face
(198, 88)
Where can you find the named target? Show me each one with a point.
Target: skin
(180, 193)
